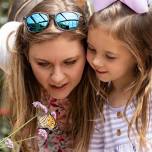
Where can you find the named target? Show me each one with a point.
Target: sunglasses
(37, 22)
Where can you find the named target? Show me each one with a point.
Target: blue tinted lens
(67, 20)
(37, 22)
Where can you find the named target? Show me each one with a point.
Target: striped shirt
(112, 135)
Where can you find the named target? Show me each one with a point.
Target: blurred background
(4, 5)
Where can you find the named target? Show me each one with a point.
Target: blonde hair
(20, 8)
(21, 84)
(135, 31)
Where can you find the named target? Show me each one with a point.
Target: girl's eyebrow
(107, 51)
(71, 58)
(38, 59)
(90, 44)
(67, 59)
(111, 53)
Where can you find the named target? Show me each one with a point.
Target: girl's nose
(97, 62)
(57, 76)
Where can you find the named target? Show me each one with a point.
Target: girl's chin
(104, 80)
(59, 96)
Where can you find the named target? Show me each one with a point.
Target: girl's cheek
(88, 57)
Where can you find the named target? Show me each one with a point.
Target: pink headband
(139, 6)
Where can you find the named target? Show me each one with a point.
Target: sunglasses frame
(49, 16)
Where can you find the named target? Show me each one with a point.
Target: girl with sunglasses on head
(48, 66)
(120, 54)
(18, 9)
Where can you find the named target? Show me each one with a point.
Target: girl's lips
(58, 87)
(101, 72)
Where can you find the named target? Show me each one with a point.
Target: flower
(9, 143)
(38, 104)
(53, 113)
(42, 133)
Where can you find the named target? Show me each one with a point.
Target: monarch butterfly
(47, 121)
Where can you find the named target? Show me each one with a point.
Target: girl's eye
(91, 49)
(110, 57)
(70, 62)
(43, 64)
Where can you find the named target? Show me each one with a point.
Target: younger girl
(120, 53)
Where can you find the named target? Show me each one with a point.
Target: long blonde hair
(21, 85)
(135, 30)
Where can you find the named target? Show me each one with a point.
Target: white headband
(7, 40)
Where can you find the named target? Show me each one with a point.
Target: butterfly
(47, 121)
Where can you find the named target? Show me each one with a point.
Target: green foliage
(4, 5)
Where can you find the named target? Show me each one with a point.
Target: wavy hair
(21, 84)
(135, 31)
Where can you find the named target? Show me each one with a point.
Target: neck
(120, 93)
(117, 99)
(122, 84)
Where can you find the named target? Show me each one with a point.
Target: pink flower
(38, 104)
(53, 113)
(9, 143)
(42, 133)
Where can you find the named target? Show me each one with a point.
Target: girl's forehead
(60, 46)
(102, 40)
(101, 29)
(103, 32)
(99, 32)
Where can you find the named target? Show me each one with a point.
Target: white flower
(9, 143)
(38, 104)
(42, 133)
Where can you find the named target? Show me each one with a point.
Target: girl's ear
(7, 40)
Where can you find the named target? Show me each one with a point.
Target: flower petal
(38, 104)
(9, 143)
(42, 133)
